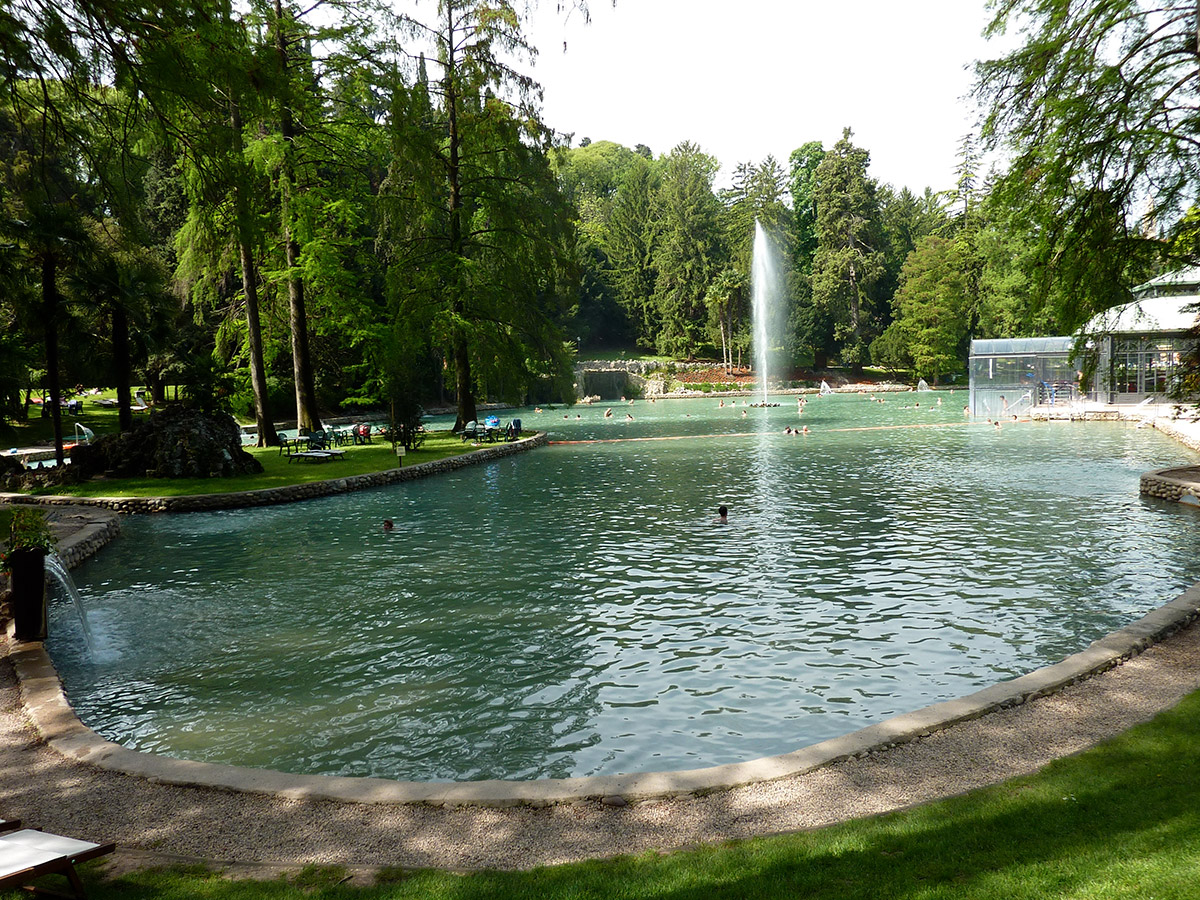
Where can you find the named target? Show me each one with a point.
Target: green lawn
(1120, 821)
(37, 430)
(278, 471)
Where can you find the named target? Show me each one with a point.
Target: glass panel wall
(1010, 376)
(1145, 365)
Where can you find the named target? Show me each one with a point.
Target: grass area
(1120, 821)
(36, 430)
(277, 471)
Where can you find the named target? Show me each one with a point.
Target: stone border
(83, 539)
(1170, 427)
(57, 724)
(61, 729)
(290, 493)
(1172, 484)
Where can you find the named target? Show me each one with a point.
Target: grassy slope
(1120, 821)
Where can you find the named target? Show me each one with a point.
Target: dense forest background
(286, 211)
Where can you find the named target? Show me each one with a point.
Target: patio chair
(28, 854)
(470, 431)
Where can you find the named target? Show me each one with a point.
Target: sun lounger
(28, 854)
(317, 455)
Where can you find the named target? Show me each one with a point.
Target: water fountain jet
(764, 294)
(57, 570)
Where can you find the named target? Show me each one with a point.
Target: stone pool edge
(291, 493)
(57, 724)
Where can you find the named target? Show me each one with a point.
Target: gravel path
(153, 823)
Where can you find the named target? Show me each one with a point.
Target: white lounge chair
(28, 854)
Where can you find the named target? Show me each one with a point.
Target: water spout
(57, 570)
(764, 291)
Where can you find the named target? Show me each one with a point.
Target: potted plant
(24, 559)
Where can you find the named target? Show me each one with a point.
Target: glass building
(1012, 375)
(1141, 345)
(1137, 349)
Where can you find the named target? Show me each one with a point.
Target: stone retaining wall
(295, 492)
(96, 528)
(1171, 484)
(1175, 483)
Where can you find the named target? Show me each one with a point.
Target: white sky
(757, 77)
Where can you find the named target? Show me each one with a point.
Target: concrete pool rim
(58, 726)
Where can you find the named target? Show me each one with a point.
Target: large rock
(174, 442)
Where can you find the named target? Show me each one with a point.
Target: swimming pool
(574, 610)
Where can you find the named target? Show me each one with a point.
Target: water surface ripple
(574, 611)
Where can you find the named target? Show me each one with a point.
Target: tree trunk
(122, 369)
(267, 437)
(462, 385)
(307, 415)
(258, 374)
(464, 389)
(50, 331)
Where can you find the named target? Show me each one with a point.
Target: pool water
(575, 610)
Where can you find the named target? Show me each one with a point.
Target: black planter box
(29, 593)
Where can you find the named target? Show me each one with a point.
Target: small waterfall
(923, 385)
(825, 388)
(57, 570)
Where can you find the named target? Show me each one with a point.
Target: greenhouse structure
(1136, 349)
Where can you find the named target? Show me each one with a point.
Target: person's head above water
(722, 514)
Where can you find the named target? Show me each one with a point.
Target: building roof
(1148, 315)
(1183, 281)
(1021, 346)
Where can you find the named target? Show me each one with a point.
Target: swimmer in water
(388, 525)
(722, 516)
(608, 413)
